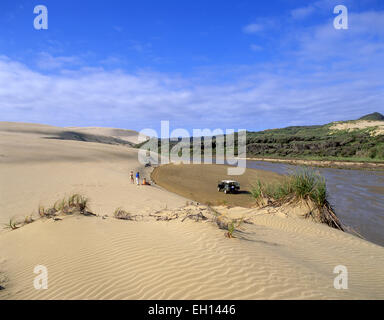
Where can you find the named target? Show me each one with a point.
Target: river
(356, 195)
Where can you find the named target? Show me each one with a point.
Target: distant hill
(130, 136)
(98, 135)
(373, 116)
(354, 140)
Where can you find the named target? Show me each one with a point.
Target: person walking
(131, 176)
(138, 178)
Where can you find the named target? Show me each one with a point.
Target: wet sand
(198, 182)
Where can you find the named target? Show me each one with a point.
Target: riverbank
(336, 164)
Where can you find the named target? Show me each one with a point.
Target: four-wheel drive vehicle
(228, 186)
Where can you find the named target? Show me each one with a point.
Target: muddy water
(356, 195)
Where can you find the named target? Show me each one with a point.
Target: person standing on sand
(131, 176)
(138, 178)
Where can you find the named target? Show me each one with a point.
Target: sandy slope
(92, 258)
(35, 170)
(95, 258)
(360, 124)
(128, 135)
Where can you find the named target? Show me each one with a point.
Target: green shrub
(303, 184)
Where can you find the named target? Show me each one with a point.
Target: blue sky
(199, 64)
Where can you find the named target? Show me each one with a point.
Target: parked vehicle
(228, 186)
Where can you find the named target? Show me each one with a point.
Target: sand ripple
(91, 258)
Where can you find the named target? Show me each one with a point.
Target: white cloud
(261, 25)
(113, 61)
(253, 28)
(323, 6)
(256, 47)
(331, 75)
(46, 61)
(302, 13)
(324, 42)
(118, 28)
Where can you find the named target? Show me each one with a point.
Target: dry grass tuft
(121, 214)
(12, 224)
(232, 226)
(74, 204)
(304, 184)
(28, 219)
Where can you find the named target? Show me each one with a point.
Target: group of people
(145, 183)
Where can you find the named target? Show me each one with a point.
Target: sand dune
(91, 258)
(96, 258)
(378, 126)
(127, 135)
(35, 170)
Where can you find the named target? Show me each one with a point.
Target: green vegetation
(28, 219)
(304, 184)
(311, 143)
(232, 226)
(78, 201)
(12, 224)
(373, 116)
(75, 203)
(316, 143)
(231, 229)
